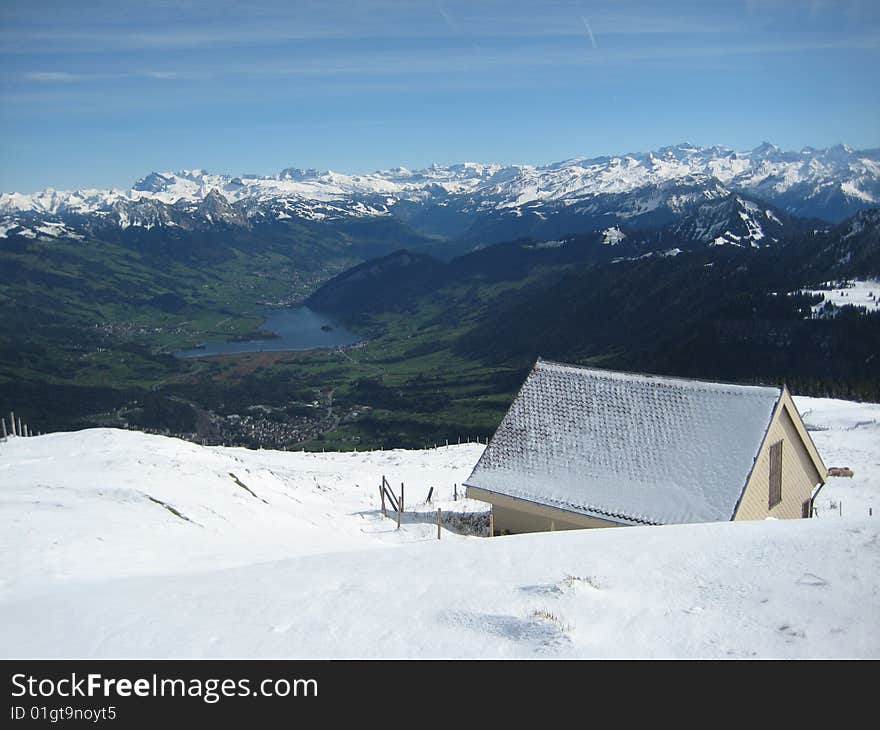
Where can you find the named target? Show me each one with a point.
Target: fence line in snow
(16, 428)
(478, 522)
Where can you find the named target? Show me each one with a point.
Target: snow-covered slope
(847, 434)
(133, 503)
(122, 544)
(860, 294)
(735, 221)
(833, 184)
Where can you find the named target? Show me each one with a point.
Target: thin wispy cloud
(488, 64)
(510, 75)
(450, 23)
(65, 77)
(52, 76)
(151, 26)
(589, 32)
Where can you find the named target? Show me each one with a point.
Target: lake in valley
(298, 328)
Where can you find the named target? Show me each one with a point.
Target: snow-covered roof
(627, 447)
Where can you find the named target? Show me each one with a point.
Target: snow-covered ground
(847, 434)
(612, 236)
(864, 294)
(120, 544)
(89, 505)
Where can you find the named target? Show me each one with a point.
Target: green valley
(90, 328)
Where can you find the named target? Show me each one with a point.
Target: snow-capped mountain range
(478, 200)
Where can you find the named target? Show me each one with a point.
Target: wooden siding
(514, 516)
(800, 471)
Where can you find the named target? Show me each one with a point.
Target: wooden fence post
(401, 497)
(438, 523)
(20, 432)
(491, 523)
(455, 492)
(390, 495)
(12, 422)
(3, 421)
(382, 497)
(398, 519)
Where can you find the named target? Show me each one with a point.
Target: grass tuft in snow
(172, 510)
(246, 488)
(544, 615)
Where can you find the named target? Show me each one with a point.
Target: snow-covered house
(582, 447)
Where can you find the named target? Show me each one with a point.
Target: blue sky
(96, 94)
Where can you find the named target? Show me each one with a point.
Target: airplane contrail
(589, 31)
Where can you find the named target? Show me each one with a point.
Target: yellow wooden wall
(800, 474)
(516, 516)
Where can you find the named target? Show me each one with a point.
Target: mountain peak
(215, 207)
(215, 196)
(839, 152)
(766, 149)
(299, 173)
(152, 183)
(680, 151)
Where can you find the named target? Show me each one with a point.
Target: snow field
(863, 294)
(300, 563)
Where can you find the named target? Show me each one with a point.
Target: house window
(775, 474)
